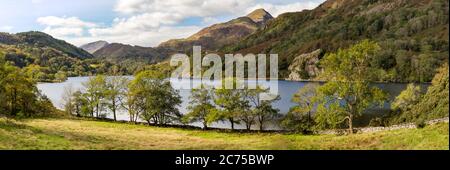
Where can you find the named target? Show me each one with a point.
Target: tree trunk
(205, 125)
(232, 123)
(350, 124)
(261, 122)
(136, 116)
(114, 112)
(114, 109)
(13, 102)
(97, 110)
(78, 110)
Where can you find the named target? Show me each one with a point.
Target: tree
(35, 72)
(3, 75)
(19, 95)
(201, 107)
(300, 117)
(159, 99)
(61, 76)
(133, 103)
(407, 98)
(262, 109)
(246, 114)
(95, 93)
(19, 91)
(78, 103)
(68, 99)
(231, 102)
(115, 92)
(435, 103)
(348, 92)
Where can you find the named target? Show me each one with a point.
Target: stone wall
(378, 129)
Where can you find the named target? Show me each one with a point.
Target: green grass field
(84, 134)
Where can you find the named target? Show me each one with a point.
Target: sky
(137, 22)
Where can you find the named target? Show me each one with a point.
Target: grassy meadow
(70, 134)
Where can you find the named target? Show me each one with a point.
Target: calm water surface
(286, 89)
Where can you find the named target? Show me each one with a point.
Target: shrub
(420, 123)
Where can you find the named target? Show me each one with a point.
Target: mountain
(43, 40)
(413, 35)
(216, 36)
(130, 57)
(94, 46)
(260, 16)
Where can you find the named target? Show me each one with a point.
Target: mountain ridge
(218, 35)
(129, 56)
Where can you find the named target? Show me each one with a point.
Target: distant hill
(413, 35)
(40, 39)
(47, 58)
(94, 46)
(216, 36)
(129, 56)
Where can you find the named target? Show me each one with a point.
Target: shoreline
(279, 79)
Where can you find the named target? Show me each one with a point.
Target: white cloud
(136, 24)
(64, 31)
(186, 8)
(65, 26)
(64, 22)
(145, 38)
(150, 22)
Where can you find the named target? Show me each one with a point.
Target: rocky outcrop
(305, 66)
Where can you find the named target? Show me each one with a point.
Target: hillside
(413, 35)
(130, 57)
(84, 134)
(218, 35)
(43, 40)
(47, 58)
(94, 46)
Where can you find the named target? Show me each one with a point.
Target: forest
(413, 35)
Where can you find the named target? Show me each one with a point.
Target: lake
(286, 89)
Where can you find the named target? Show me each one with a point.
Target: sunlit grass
(85, 134)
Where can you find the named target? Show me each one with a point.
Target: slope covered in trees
(413, 35)
(42, 40)
(417, 107)
(47, 58)
(18, 93)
